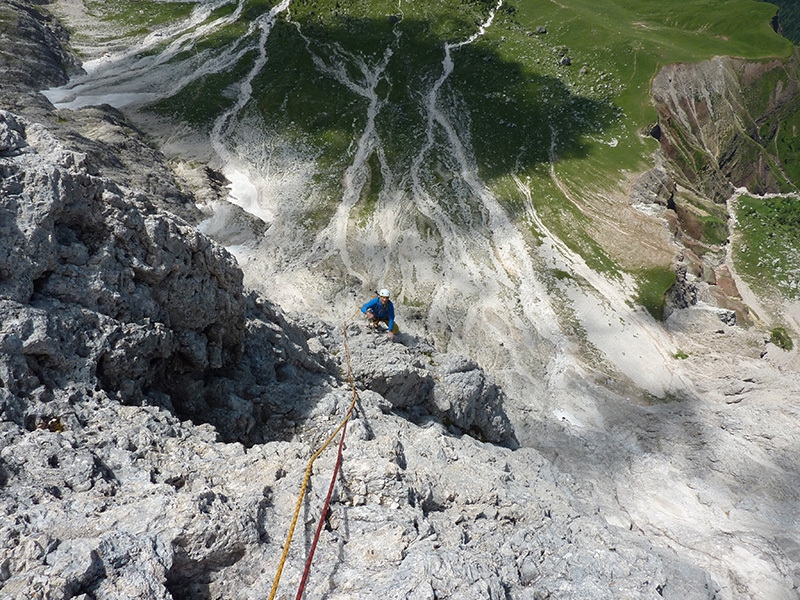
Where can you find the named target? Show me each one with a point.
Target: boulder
(451, 388)
(466, 396)
(653, 187)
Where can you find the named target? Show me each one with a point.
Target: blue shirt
(381, 312)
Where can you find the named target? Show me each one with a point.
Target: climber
(381, 310)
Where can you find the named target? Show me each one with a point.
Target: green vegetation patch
(787, 141)
(371, 190)
(781, 339)
(587, 116)
(561, 275)
(701, 219)
(203, 100)
(653, 285)
(139, 17)
(768, 251)
(788, 18)
(562, 218)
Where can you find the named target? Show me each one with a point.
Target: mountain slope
(385, 145)
(504, 169)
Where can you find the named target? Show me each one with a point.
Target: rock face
(92, 276)
(35, 54)
(456, 391)
(157, 418)
(707, 282)
(718, 119)
(654, 187)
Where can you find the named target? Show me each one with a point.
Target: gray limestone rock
(466, 396)
(157, 421)
(12, 134)
(135, 363)
(451, 388)
(653, 187)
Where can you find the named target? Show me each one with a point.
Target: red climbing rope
(343, 427)
(325, 507)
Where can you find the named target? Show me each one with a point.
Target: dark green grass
(787, 148)
(768, 253)
(652, 289)
(701, 219)
(138, 17)
(781, 339)
(202, 101)
(509, 82)
(788, 18)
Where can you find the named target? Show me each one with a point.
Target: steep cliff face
(101, 291)
(724, 125)
(157, 417)
(718, 122)
(132, 364)
(35, 54)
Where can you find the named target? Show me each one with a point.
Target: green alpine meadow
(553, 95)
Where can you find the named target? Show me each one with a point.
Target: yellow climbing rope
(310, 465)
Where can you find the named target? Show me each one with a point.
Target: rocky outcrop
(103, 292)
(717, 126)
(128, 502)
(653, 187)
(35, 55)
(452, 388)
(469, 399)
(708, 283)
(156, 420)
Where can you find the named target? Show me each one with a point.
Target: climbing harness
(343, 428)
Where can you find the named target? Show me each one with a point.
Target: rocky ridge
(717, 126)
(153, 447)
(717, 120)
(157, 418)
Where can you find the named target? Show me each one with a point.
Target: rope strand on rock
(343, 428)
(325, 507)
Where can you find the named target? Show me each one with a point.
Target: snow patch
(244, 194)
(66, 98)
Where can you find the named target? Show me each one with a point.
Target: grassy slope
(789, 18)
(513, 92)
(620, 45)
(133, 17)
(769, 249)
(631, 41)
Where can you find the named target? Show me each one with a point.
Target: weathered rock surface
(119, 322)
(707, 282)
(654, 186)
(156, 419)
(717, 127)
(35, 55)
(452, 388)
(717, 120)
